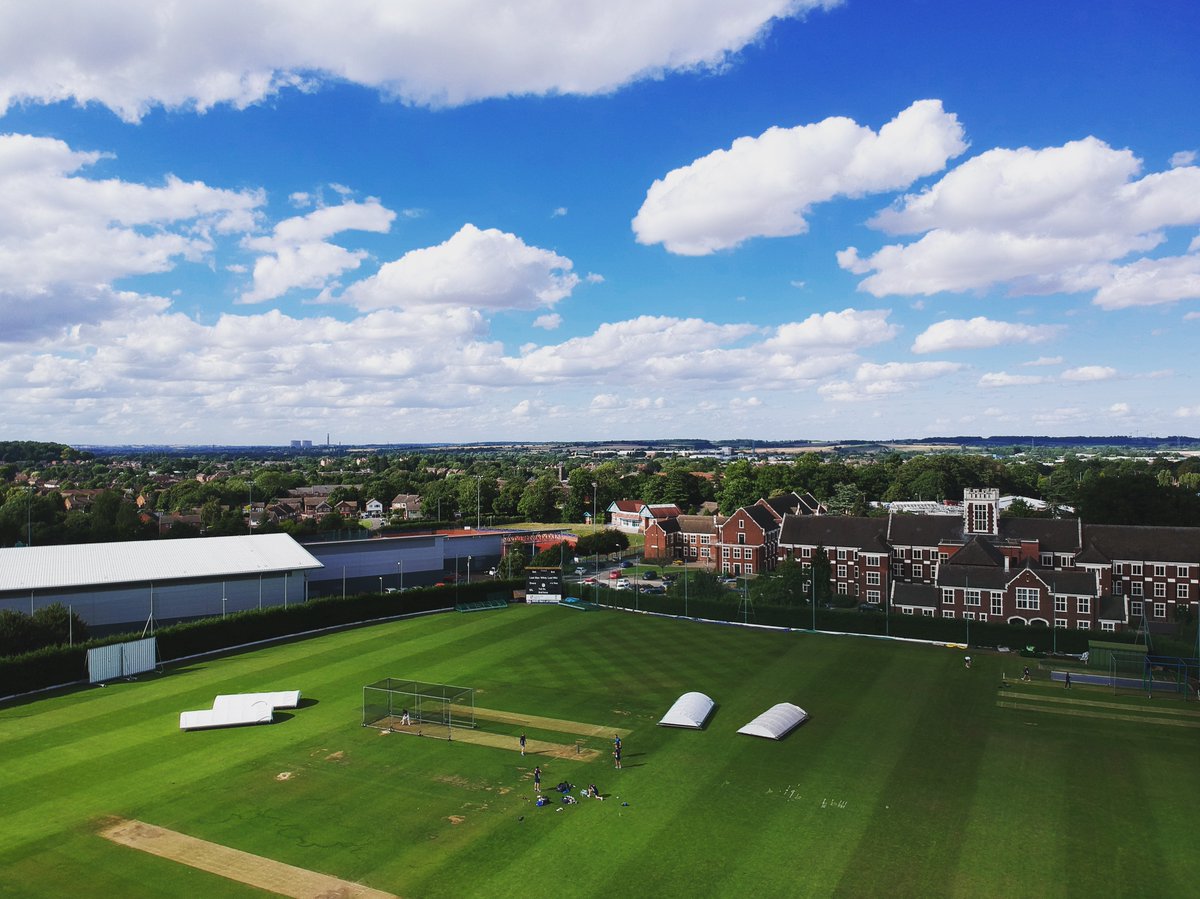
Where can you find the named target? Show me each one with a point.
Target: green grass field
(913, 777)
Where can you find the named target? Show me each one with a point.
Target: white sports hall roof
(95, 564)
(689, 710)
(776, 722)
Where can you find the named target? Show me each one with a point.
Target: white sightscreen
(138, 656)
(122, 659)
(104, 663)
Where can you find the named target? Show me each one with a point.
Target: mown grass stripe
(1082, 713)
(1124, 706)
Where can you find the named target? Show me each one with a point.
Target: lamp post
(223, 599)
(595, 549)
(400, 565)
(381, 586)
(478, 488)
(250, 512)
(468, 571)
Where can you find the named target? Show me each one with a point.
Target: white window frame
(947, 595)
(872, 596)
(1060, 604)
(974, 597)
(1137, 608)
(1160, 570)
(1108, 627)
(1135, 569)
(872, 578)
(1083, 625)
(1029, 598)
(841, 571)
(1060, 622)
(997, 603)
(1160, 610)
(1083, 605)
(1181, 591)
(1160, 590)
(1135, 589)
(947, 613)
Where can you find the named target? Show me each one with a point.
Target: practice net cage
(445, 705)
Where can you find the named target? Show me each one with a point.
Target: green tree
(539, 502)
(819, 574)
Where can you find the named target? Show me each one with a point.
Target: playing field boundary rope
(234, 864)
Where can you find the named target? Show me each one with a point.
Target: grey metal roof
(94, 564)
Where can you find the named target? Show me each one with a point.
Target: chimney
(1007, 563)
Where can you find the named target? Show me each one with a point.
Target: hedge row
(67, 664)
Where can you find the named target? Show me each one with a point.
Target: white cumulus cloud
(132, 55)
(978, 333)
(1037, 221)
(1004, 379)
(848, 329)
(764, 186)
(299, 254)
(1089, 373)
(484, 269)
(65, 237)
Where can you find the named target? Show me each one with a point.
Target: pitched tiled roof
(1092, 556)
(865, 534)
(1154, 544)
(698, 524)
(626, 505)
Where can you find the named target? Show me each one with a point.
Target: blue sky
(247, 222)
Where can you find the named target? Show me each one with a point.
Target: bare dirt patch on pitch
(233, 864)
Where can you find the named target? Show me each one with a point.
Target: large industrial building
(115, 586)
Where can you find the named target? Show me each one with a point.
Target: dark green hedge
(63, 665)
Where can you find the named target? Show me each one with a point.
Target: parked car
(623, 584)
(625, 563)
(613, 575)
(654, 588)
(650, 575)
(678, 562)
(870, 607)
(580, 570)
(589, 580)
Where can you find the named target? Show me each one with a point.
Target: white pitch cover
(690, 710)
(776, 722)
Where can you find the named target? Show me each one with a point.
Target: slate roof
(1155, 544)
(1057, 535)
(1112, 608)
(922, 595)
(865, 534)
(979, 551)
(761, 517)
(974, 577)
(924, 530)
(666, 525)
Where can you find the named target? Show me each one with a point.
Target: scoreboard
(543, 585)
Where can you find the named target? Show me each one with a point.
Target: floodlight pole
(478, 488)
(596, 549)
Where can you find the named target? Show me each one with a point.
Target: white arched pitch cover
(776, 722)
(689, 710)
